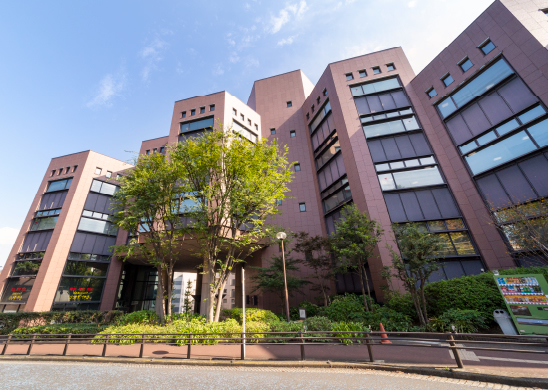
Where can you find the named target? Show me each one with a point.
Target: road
(81, 376)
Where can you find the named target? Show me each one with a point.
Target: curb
(452, 373)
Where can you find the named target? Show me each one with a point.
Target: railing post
(66, 345)
(243, 347)
(189, 344)
(105, 345)
(455, 351)
(303, 357)
(369, 349)
(142, 346)
(31, 344)
(6, 345)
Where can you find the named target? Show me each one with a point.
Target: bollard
(142, 346)
(455, 351)
(66, 345)
(6, 345)
(243, 347)
(189, 344)
(31, 344)
(303, 357)
(105, 346)
(369, 349)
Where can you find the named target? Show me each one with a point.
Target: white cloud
(412, 3)
(284, 16)
(286, 41)
(152, 55)
(109, 87)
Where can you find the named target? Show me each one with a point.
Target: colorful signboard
(17, 290)
(526, 300)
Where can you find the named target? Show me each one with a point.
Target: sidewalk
(523, 369)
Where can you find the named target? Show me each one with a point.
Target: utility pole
(243, 311)
(281, 236)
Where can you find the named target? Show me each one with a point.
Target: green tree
(234, 186)
(317, 256)
(420, 254)
(188, 302)
(353, 243)
(148, 202)
(271, 278)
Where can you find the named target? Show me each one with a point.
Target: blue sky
(103, 75)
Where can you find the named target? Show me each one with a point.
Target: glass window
(302, 207)
(384, 128)
(292, 134)
(412, 163)
(87, 213)
(376, 70)
(17, 290)
(59, 185)
(77, 289)
(234, 112)
(327, 154)
(532, 114)
(390, 67)
(485, 139)
(540, 133)
(26, 268)
(432, 92)
(192, 112)
(427, 160)
(272, 131)
(447, 80)
(411, 124)
(325, 92)
(446, 107)
(447, 248)
(454, 224)
(382, 167)
(196, 125)
(44, 223)
(103, 188)
(183, 114)
(202, 110)
(397, 165)
(95, 226)
(436, 226)
(109, 174)
(363, 73)
(507, 127)
(418, 178)
(378, 86)
(387, 182)
(349, 76)
(462, 243)
(336, 199)
(147, 152)
(500, 152)
(466, 64)
(82, 268)
(297, 167)
(98, 170)
(484, 82)
(289, 104)
(468, 147)
(487, 47)
(162, 148)
(212, 107)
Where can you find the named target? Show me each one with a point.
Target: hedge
(60, 329)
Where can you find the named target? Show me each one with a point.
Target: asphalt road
(81, 376)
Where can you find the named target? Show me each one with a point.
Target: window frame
(390, 64)
(302, 207)
(349, 76)
(446, 77)
(485, 43)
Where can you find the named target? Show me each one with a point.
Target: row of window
(46, 223)
(155, 150)
(375, 70)
(79, 289)
(201, 124)
(465, 64)
(242, 117)
(318, 100)
(327, 153)
(405, 164)
(503, 129)
(95, 214)
(30, 255)
(103, 188)
(292, 133)
(319, 117)
(97, 226)
(410, 179)
(391, 127)
(202, 110)
(375, 87)
(387, 115)
(108, 175)
(59, 185)
(337, 199)
(66, 170)
(46, 213)
(507, 149)
(87, 257)
(244, 131)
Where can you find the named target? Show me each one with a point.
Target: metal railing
(475, 342)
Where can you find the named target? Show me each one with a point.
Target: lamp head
(281, 236)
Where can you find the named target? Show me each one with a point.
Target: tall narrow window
(297, 167)
(192, 112)
(202, 110)
(67, 170)
(325, 92)
(74, 168)
(183, 114)
(318, 100)
(289, 104)
(109, 174)
(242, 116)
(302, 207)
(234, 112)
(249, 122)
(212, 107)
(272, 131)
(292, 134)
(147, 152)
(53, 172)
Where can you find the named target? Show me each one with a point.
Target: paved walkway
(526, 365)
(82, 376)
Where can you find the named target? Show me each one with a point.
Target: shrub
(347, 307)
(392, 320)
(293, 327)
(139, 317)
(316, 324)
(311, 310)
(252, 315)
(60, 329)
(348, 327)
(401, 303)
(465, 321)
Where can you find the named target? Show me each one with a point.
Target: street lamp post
(282, 236)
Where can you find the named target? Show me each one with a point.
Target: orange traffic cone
(384, 337)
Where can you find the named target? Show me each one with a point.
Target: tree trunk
(368, 288)
(220, 300)
(160, 310)
(423, 300)
(363, 290)
(211, 299)
(169, 291)
(324, 296)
